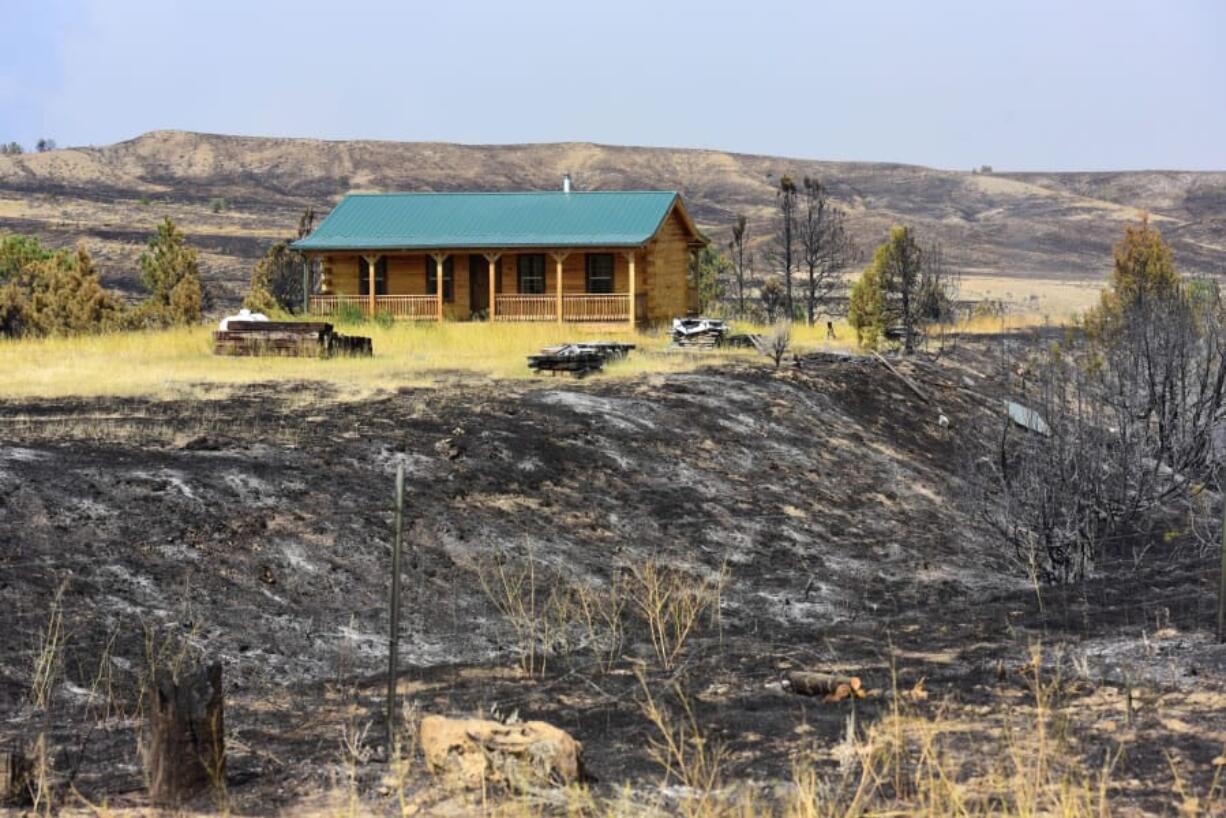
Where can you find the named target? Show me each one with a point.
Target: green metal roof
(429, 221)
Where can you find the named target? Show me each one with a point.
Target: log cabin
(609, 257)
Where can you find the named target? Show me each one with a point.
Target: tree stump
(15, 771)
(185, 752)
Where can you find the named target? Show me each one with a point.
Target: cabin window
(531, 273)
(380, 276)
(448, 278)
(600, 272)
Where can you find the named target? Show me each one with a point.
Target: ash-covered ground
(255, 530)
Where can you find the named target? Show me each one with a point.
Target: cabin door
(478, 283)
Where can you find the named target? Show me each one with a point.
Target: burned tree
(736, 249)
(825, 247)
(1130, 406)
(784, 252)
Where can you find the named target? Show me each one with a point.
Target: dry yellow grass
(179, 362)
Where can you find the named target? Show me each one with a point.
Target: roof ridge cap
(507, 192)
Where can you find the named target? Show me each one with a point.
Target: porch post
(371, 262)
(558, 258)
(492, 259)
(439, 259)
(632, 296)
(306, 285)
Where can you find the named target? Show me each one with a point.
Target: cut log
(185, 750)
(15, 774)
(468, 752)
(835, 688)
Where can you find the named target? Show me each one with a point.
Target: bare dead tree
(783, 253)
(736, 249)
(1048, 494)
(825, 248)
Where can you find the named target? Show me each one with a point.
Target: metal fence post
(394, 637)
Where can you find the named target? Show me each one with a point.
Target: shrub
(778, 342)
(906, 288)
(16, 252)
(58, 295)
(170, 271)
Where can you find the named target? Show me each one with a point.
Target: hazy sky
(1075, 84)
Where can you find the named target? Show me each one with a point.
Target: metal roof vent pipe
(566, 183)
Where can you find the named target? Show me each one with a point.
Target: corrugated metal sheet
(1027, 417)
(405, 221)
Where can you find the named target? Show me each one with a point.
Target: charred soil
(827, 499)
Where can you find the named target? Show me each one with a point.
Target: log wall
(666, 276)
(662, 273)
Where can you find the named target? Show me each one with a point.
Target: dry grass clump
(550, 613)
(671, 602)
(683, 749)
(48, 658)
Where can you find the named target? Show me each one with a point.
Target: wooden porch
(474, 288)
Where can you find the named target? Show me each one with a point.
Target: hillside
(1041, 225)
(254, 531)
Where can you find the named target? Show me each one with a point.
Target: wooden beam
(632, 296)
(492, 259)
(371, 261)
(439, 260)
(558, 258)
(919, 392)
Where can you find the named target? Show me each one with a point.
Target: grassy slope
(172, 363)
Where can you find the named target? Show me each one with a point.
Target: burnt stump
(185, 746)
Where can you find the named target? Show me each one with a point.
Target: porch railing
(398, 306)
(607, 307)
(526, 308)
(578, 307)
(575, 307)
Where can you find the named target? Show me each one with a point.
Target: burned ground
(255, 527)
